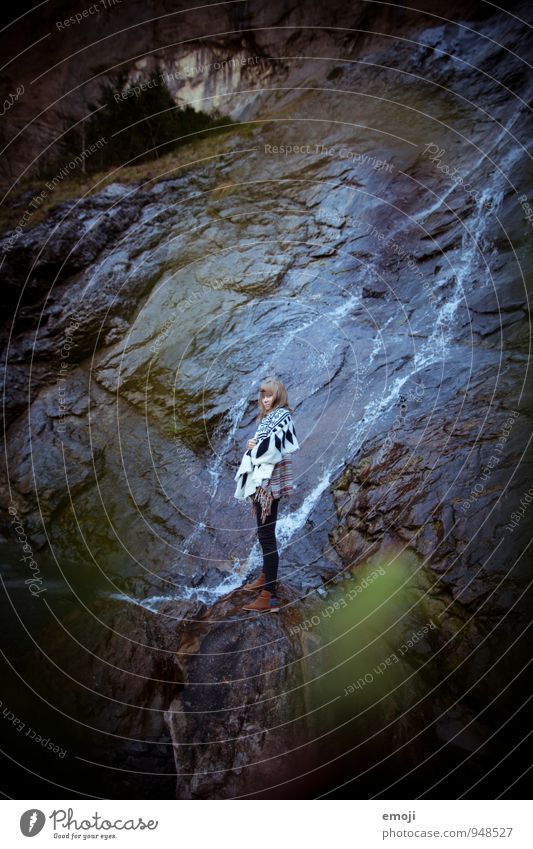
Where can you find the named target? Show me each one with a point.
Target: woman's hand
(251, 443)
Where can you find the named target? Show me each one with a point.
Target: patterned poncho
(276, 438)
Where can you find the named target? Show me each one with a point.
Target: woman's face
(267, 400)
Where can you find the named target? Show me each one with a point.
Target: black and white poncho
(276, 437)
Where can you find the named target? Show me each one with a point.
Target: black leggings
(266, 532)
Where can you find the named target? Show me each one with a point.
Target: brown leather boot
(264, 603)
(258, 584)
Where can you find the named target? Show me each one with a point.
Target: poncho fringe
(258, 462)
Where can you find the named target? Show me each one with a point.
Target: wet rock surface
(395, 305)
(238, 726)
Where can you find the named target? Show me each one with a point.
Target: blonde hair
(278, 390)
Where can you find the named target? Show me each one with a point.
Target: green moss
(145, 173)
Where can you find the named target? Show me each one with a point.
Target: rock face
(221, 61)
(365, 240)
(238, 726)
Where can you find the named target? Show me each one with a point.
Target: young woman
(264, 476)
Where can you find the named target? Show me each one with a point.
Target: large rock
(392, 300)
